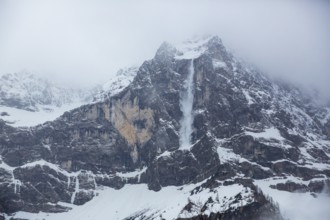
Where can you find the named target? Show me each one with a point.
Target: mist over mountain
(195, 133)
(164, 110)
(90, 41)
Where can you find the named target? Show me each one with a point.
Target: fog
(80, 43)
(304, 206)
(307, 207)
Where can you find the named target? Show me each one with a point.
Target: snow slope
(297, 206)
(23, 118)
(27, 100)
(134, 200)
(26, 91)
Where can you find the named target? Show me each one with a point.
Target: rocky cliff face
(246, 129)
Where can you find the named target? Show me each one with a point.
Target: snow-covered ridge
(27, 100)
(26, 91)
(269, 133)
(192, 48)
(116, 84)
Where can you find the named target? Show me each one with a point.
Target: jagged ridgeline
(196, 135)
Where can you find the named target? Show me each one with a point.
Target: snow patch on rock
(269, 133)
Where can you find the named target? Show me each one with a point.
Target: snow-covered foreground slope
(298, 205)
(119, 204)
(168, 203)
(23, 118)
(135, 200)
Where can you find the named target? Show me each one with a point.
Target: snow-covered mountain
(28, 100)
(196, 134)
(26, 91)
(117, 83)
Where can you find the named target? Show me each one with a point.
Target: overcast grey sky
(85, 42)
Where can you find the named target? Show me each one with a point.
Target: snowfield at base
(132, 200)
(297, 206)
(24, 118)
(119, 204)
(168, 202)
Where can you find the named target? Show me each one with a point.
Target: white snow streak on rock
(132, 174)
(17, 183)
(76, 189)
(269, 133)
(248, 97)
(219, 64)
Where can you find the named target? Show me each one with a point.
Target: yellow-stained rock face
(133, 123)
(124, 117)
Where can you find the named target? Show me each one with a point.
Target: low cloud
(305, 207)
(85, 42)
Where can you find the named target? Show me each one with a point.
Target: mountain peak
(214, 39)
(192, 48)
(165, 51)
